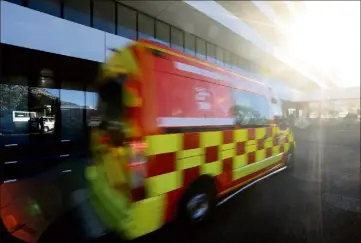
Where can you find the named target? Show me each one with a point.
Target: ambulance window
(250, 109)
(277, 109)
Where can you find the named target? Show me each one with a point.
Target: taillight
(138, 170)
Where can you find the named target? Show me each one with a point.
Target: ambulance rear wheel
(290, 159)
(199, 201)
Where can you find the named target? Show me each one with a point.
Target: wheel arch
(206, 180)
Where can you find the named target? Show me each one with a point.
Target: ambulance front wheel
(198, 201)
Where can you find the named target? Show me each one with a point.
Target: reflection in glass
(201, 48)
(220, 56)
(177, 39)
(14, 105)
(51, 7)
(77, 11)
(91, 102)
(44, 103)
(104, 15)
(127, 22)
(250, 109)
(20, 2)
(72, 106)
(190, 44)
(211, 52)
(162, 32)
(145, 26)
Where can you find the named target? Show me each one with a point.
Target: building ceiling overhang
(188, 18)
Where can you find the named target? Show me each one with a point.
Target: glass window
(177, 38)
(46, 6)
(190, 44)
(220, 58)
(127, 22)
(234, 61)
(72, 105)
(227, 58)
(19, 2)
(44, 101)
(250, 108)
(91, 105)
(145, 26)
(162, 32)
(277, 109)
(14, 95)
(201, 48)
(104, 15)
(211, 52)
(77, 11)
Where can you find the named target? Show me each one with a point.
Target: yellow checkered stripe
(209, 156)
(243, 150)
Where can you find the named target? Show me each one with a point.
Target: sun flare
(327, 35)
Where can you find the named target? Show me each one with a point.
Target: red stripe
(224, 181)
(269, 131)
(251, 157)
(240, 148)
(268, 152)
(211, 154)
(191, 140)
(251, 134)
(190, 175)
(160, 164)
(227, 136)
(260, 143)
(227, 164)
(172, 204)
(275, 141)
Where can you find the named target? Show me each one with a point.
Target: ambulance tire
(198, 201)
(290, 160)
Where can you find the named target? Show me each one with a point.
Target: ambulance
(178, 136)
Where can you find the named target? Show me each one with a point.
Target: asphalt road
(319, 201)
